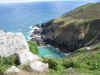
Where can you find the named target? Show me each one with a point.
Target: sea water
(18, 17)
(50, 51)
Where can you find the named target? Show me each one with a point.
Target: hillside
(80, 62)
(75, 29)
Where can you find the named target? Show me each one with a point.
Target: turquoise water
(50, 51)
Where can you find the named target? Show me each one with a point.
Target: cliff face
(78, 28)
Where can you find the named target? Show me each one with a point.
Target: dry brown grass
(23, 72)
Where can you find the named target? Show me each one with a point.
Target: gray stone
(26, 57)
(13, 69)
(39, 66)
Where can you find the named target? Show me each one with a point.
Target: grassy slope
(81, 62)
(88, 11)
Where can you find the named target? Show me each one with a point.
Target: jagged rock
(39, 66)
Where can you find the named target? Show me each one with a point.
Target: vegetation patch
(81, 62)
(6, 62)
(33, 46)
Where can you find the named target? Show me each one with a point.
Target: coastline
(55, 50)
(35, 35)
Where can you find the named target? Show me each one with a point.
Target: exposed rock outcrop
(11, 43)
(16, 44)
(36, 34)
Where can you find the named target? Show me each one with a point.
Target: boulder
(39, 66)
(26, 57)
(13, 69)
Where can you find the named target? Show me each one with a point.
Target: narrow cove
(50, 51)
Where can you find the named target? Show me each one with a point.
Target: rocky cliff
(11, 43)
(14, 51)
(75, 29)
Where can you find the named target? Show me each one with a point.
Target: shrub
(68, 63)
(6, 62)
(33, 47)
(54, 64)
(59, 68)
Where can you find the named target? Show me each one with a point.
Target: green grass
(81, 62)
(33, 47)
(87, 11)
(6, 62)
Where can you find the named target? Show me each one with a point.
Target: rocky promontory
(75, 29)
